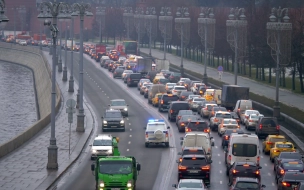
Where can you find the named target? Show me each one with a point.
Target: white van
(217, 96)
(198, 139)
(242, 147)
(241, 106)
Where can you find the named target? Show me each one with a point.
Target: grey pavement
(25, 168)
(285, 96)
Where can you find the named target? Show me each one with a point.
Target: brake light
(257, 172)
(206, 130)
(180, 167)
(276, 151)
(246, 165)
(179, 117)
(146, 135)
(269, 142)
(183, 96)
(201, 91)
(162, 102)
(282, 172)
(182, 124)
(258, 159)
(187, 129)
(234, 171)
(180, 159)
(229, 158)
(260, 126)
(278, 127)
(206, 167)
(250, 120)
(286, 184)
(167, 135)
(216, 120)
(226, 137)
(247, 117)
(205, 109)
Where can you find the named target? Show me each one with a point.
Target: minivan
(133, 79)
(174, 108)
(241, 106)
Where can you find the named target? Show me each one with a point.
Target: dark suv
(113, 120)
(151, 75)
(198, 125)
(175, 107)
(165, 100)
(133, 79)
(174, 77)
(194, 167)
(267, 126)
(244, 169)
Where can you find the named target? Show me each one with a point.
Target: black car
(244, 169)
(174, 77)
(126, 77)
(184, 95)
(117, 73)
(194, 167)
(290, 180)
(184, 120)
(113, 120)
(246, 183)
(165, 100)
(227, 134)
(151, 75)
(107, 62)
(133, 79)
(198, 125)
(291, 156)
(174, 108)
(288, 166)
(181, 113)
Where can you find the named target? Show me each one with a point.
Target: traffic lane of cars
(218, 166)
(100, 90)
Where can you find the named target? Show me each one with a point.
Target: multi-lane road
(159, 167)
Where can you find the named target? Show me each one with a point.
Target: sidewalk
(285, 96)
(25, 168)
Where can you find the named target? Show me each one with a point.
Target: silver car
(119, 104)
(190, 184)
(252, 121)
(246, 114)
(156, 133)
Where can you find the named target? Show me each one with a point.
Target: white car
(246, 114)
(22, 42)
(177, 90)
(227, 124)
(156, 133)
(191, 184)
(102, 146)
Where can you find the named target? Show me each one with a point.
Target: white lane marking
(129, 142)
(102, 91)
(216, 147)
(127, 118)
(218, 154)
(220, 171)
(129, 123)
(127, 149)
(220, 162)
(130, 129)
(265, 164)
(108, 97)
(221, 182)
(273, 184)
(130, 135)
(269, 174)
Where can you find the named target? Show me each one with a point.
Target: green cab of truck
(115, 172)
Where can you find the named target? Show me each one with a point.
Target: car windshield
(171, 84)
(188, 117)
(168, 98)
(284, 145)
(113, 114)
(189, 161)
(176, 74)
(228, 132)
(144, 80)
(244, 150)
(247, 185)
(102, 142)
(128, 71)
(118, 103)
(293, 176)
(293, 166)
(289, 155)
(190, 185)
(277, 139)
(230, 122)
(179, 88)
(252, 112)
(197, 126)
(254, 116)
(156, 126)
(115, 167)
(221, 115)
(185, 112)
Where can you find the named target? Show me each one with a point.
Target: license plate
(193, 171)
(294, 186)
(153, 138)
(113, 126)
(135, 81)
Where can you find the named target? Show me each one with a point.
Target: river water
(17, 100)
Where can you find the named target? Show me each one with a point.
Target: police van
(243, 147)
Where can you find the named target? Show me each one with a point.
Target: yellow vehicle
(157, 77)
(209, 95)
(279, 147)
(156, 98)
(270, 140)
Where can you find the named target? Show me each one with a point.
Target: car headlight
(94, 151)
(129, 184)
(126, 109)
(105, 122)
(109, 151)
(101, 184)
(122, 121)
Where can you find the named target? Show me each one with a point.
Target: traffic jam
(205, 118)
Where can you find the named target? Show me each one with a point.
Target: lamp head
(3, 17)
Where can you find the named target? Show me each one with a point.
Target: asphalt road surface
(158, 164)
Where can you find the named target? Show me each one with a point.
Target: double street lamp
(71, 80)
(206, 30)
(279, 40)
(101, 12)
(151, 24)
(237, 35)
(82, 9)
(128, 19)
(139, 24)
(3, 17)
(53, 10)
(165, 26)
(182, 26)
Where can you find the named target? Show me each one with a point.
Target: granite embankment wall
(33, 59)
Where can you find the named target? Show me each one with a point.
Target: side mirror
(181, 143)
(263, 186)
(108, 104)
(174, 185)
(145, 127)
(260, 167)
(210, 161)
(101, 117)
(138, 167)
(90, 145)
(181, 138)
(92, 167)
(179, 153)
(211, 138)
(168, 127)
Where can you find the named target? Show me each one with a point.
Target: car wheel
(167, 144)
(146, 145)
(127, 115)
(92, 158)
(227, 171)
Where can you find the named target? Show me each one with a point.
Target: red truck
(100, 50)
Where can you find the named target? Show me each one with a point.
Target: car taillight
(282, 172)
(180, 167)
(182, 124)
(260, 126)
(276, 151)
(250, 120)
(257, 172)
(162, 102)
(234, 171)
(229, 158)
(167, 135)
(205, 109)
(226, 137)
(146, 135)
(171, 111)
(216, 120)
(172, 77)
(269, 142)
(258, 160)
(286, 184)
(179, 117)
(180, 159)
(201, 91)
(246, 117)
(206, 167)
(206, 130)
(278, 127)
(187, 129)
(183, 96)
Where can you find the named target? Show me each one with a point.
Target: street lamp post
(52, 12)
(60, 45)
(237, 35)
(3, 17)
(139, 25)
(182, 26)
(165, 26)
(206, 30)
(101, 12)
(82, 9)
(279, 40)
(71, 80)
(128, 19)
(151, 25)
(65, 18)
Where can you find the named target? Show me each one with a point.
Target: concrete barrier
(33, 59)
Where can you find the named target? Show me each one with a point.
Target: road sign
(70, 103)
(220, 68)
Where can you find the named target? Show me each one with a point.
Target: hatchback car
(174, 77)
(117, 73)
(251, 121)
(288, 166)
(181, 113)
(217, 119)
(227, 124)
(184, 95)
(177, 90)
(169, 87)
(156, 133)
(197, 126)
(141, 82)
(244, 116)
(125, 72)
(227, 134)
(190, 184)
(245, 183)
(244, 169)
(291, 156)
(143, 88)
(269, 142)
(195, 103)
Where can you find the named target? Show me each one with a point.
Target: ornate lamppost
(165, 26)
(237, 35)
(53, 10)
(71, 80)
(279, 40)
(206, 30)
(139, 24)
(151, 25)
(128, 19)
(101, 12)
(82, 9)
(182, 26)
(3, 18)
(65, 18)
